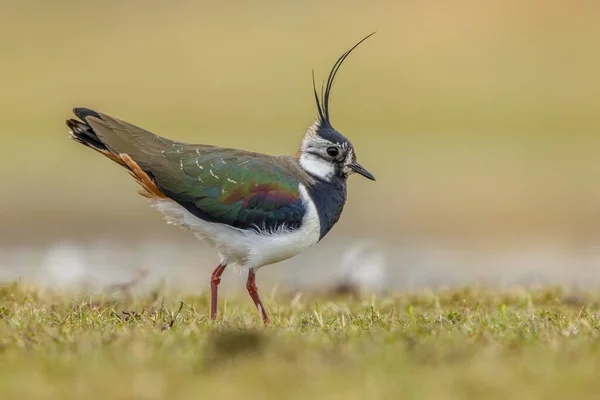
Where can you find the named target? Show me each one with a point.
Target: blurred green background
(479, 119)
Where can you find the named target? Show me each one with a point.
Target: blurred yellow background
(479, 119)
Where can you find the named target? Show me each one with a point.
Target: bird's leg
(215, 279)
(253, 291)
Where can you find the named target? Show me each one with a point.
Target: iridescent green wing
(233, 187)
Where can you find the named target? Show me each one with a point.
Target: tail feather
(83, 133)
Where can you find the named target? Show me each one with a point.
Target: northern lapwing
(254, 209)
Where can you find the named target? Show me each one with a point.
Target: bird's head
(325, 153)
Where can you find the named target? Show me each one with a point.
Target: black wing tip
(82, 113)
(82, 132)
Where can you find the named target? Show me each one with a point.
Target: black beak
(359, 169)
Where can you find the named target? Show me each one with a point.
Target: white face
(324, 159)
(317, 166)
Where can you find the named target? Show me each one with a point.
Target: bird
(254, 209)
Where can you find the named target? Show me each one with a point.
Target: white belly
(247, 248)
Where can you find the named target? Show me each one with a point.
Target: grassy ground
(456, 344)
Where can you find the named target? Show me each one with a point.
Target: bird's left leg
(253, 291)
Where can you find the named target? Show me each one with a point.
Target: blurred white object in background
(64, 265)
(364, 267)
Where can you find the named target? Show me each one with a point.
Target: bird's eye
(333, 151)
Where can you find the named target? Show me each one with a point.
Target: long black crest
(323, 101)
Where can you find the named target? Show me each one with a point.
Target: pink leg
(253, 291)
(215, 279)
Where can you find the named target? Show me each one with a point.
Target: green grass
(452, 344)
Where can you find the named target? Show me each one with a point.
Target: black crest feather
(323, 101)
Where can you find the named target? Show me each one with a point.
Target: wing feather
(241, 189)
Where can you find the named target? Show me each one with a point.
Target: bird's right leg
(215, 279)
(253, 291)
